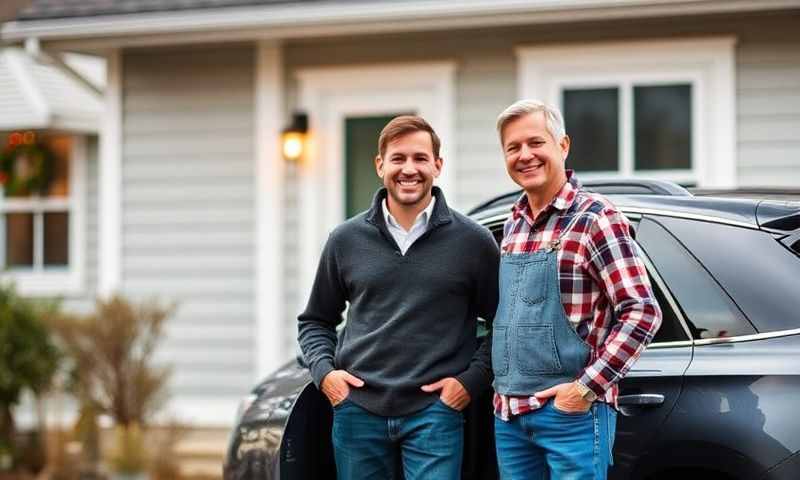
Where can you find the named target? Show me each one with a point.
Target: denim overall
(534, 346)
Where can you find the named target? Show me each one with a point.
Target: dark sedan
(715, 394)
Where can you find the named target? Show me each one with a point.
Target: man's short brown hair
(403, 125)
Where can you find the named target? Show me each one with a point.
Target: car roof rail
(791, 194)
(625, 186)
(611, 186)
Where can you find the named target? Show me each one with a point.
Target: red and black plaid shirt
(605, 289)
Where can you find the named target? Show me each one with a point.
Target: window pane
(61, 146)
(709, 311)
(591, 117)
(56, 239)
(663, 119)
(19, 239)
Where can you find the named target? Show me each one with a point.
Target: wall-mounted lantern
(293, 137)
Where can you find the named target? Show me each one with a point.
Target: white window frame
(53, 281)
(707, 64)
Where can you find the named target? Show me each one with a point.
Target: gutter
(371, 16)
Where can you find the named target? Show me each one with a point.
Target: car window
(793, 242)
(758, 271)
(709, 311)
(670, 329)
(497, 233)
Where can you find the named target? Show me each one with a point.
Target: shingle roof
(48, 9)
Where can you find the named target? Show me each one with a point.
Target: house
(196, 203)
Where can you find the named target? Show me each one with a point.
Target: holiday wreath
(26, 166)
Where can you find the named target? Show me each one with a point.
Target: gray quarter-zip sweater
(412, 318)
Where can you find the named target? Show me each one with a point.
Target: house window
(41, 232)
(656, 109)
(653, 129)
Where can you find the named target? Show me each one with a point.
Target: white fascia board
(14, 125)
(75, 123)
(295, 21)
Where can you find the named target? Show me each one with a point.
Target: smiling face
(407, 168)
(534, 159)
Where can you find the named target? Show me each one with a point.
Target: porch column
(110, 181)
(269, 177)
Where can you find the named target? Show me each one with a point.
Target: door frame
(330, 94)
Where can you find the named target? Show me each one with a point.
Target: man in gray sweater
(414, 276)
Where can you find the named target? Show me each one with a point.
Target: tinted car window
(760, 273)
(709, 311)
(670, 329)
(793, 242)
(497, 233)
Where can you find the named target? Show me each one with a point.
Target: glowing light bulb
(293, 145)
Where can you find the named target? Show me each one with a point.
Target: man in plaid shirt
(576, 309)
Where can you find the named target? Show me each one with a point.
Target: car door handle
(641, 399)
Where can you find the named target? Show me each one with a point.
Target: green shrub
(28, 361)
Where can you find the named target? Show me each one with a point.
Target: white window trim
(707, 63)
(331, 94)
(70, 280)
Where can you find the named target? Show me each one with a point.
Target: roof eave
(294, 21)
(86, 124)
(39, 122)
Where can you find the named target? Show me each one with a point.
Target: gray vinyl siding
(84, 302)
(768, 75)
(15, 108)
(188, 208)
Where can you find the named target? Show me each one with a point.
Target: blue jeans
(430, 443)
(549, 443)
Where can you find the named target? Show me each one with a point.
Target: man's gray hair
(553, 118)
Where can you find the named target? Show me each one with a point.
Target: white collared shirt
(403, 238)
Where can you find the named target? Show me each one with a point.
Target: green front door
(361, 147)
